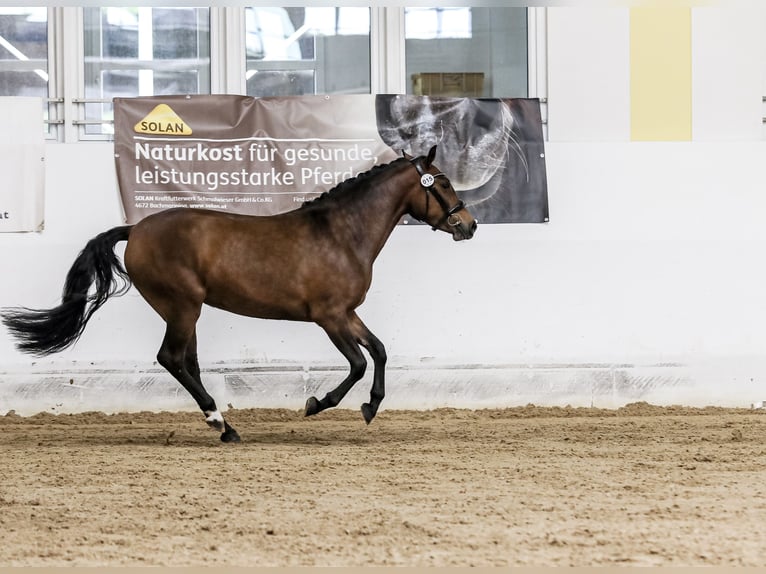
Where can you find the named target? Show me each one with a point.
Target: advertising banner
(263, 156)
(22, 154)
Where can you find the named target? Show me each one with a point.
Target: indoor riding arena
(383, 285)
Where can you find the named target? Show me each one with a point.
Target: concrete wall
(647, 284)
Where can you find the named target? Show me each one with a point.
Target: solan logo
(162, 120)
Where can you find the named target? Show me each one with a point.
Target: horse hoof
(312, 406)
(230, 435)
(368, 412)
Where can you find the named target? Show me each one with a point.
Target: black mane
(352, 182)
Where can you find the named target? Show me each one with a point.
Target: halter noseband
(427, 180)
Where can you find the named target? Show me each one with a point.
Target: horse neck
(373, 211)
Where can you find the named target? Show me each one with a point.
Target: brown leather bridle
(427, 181)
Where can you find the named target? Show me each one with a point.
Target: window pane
(143, 52)
(24, 57)
(430, 23)
(298, 51)
(24, 52)
(466, 52)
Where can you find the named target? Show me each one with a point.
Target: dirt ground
(640, 485)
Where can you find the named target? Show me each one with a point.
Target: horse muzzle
(462, 230)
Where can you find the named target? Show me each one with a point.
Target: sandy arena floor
(527, 486)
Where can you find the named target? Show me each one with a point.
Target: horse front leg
(378, 392)
(347, 341)
(344, 340)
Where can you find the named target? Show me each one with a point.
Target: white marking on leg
(214, 419)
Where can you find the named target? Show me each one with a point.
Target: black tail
(46, 331)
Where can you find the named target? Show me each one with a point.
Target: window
(24, 54)
(142, 52)
(299, 51)
(472, 52)
(78, 58)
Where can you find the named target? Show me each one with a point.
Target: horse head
(447, 212)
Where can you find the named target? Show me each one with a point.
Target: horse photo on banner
(491, 149)
(263, 156)
(22, 154)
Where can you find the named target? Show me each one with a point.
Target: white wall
(647, 284)
(588, 74)
(728, 73)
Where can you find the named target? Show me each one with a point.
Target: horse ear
(431, 156)
(406, 155)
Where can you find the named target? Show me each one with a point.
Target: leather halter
(427, 180)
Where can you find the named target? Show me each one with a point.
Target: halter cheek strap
(427, 180)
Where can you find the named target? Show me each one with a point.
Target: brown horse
(310, 264)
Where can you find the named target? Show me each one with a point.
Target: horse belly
(258, 297)
(297, 293)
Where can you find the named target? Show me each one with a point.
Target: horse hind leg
(214, 418)
(178, 355)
